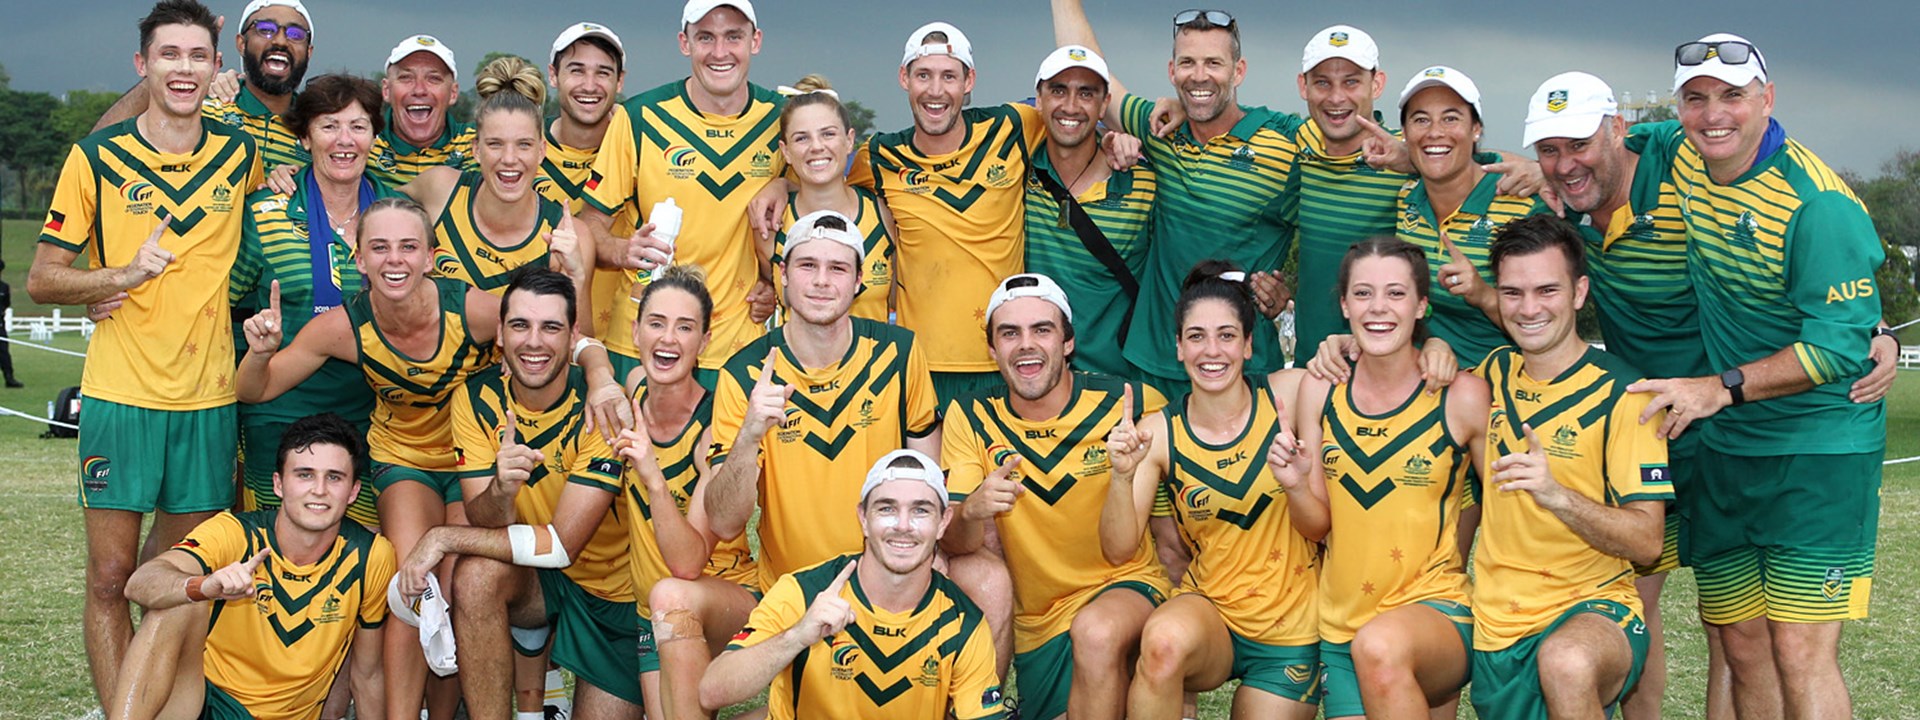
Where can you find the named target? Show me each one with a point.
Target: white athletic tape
(525, 550)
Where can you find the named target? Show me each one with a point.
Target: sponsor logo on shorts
(1299, 674)
(1835, 581)
(93, 473)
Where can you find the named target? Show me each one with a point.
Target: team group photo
(668, 366)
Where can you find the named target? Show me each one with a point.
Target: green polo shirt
(1121, 207)
(270, 133)
(1471, 333)
(396, 162)
(1343, 200)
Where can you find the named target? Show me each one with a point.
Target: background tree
(862, 119)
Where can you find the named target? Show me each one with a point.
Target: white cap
(1043, 287)
(432, 614)
(1341, 41)
(578, 30)
(1736, 75)
(425, 44)
(697, 9)
(1441, 75)
(956, 45)
(258, 5)
(806, 228)
(928, 473)
(1072, 56)
(1568, 105)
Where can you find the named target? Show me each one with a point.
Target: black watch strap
(1735, 381)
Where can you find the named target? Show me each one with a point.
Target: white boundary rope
(35, 418)
(47, 348)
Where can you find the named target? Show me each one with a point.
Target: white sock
(535, 715)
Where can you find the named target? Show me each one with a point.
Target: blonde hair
(690, 279)
(809, 95)
(509, 83)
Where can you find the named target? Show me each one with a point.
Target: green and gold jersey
(278, 652)
(1784, 257)
(1529, 566)
(574, 456)
(270, 133)
(732, 560)
(961, 231)
(397, 162)
(276, 244)
(411, 423)
(1232, 514)
(1227, 199)
(711, 166)
(170, 345)
(563, 179)
(1396, 484)
(930, 663)
(1051, 536)
(462, 253)
(1122, 209)
(840, 419)
(876, 279)
(1342, 200)
(1471, 227)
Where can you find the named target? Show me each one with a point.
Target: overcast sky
(1845, 71)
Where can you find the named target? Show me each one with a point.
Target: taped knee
(677, 624)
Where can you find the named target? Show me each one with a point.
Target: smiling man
(421, 85)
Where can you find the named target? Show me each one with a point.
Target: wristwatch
(1733, 380)
(1887, 331)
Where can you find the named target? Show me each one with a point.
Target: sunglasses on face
(1730, 52)
(1210, 18)
(266, 29)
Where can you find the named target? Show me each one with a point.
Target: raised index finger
(1533, 441)
(1126, 405)
(273, 297)
(839, 581)
(253, 563)
(766, 370)
(166, 221)
(1453, 251)
(507, 434)
(1374, 129)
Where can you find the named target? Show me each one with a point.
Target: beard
(265, 85)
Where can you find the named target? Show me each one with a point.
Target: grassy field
(44, 666)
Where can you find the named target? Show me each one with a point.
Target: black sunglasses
(1730, 52)
(266, 29)
(1203, 19)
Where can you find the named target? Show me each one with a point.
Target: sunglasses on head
(266, 29)
(1730, 52)
(1203, 19)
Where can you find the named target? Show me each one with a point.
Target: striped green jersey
(1121, 208)
(270, 133)
(397, 162)
(275, 245)
(1638, 274)
(1225, 198)
(1471, 228)
(1342, 200)
(1783, 257)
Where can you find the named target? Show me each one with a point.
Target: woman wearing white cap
(1245, 609)
(816, 135)
(1454, 208)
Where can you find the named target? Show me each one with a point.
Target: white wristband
(525, 552)
(582, 344)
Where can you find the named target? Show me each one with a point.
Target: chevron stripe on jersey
(410, 419)
(462, 253)
(732, 560)
(564, 175)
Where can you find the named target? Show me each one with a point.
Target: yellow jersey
(1529, 567)
(563, 179)
(397, 162)
(931, 663)
(710, 165)
(1232, 515)
(1052, 535)
(732, 560)
(462, 253)
(1396, 484)
(962, 225)
(410, 419)
(278, 653)
(840, 420)
(574, 456)
(876, 276)
(170, 345)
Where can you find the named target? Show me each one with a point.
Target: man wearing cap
(587, 68)
(896, 638)
(1030, 458)
(275, 40)
(421, 85)
(154, 204)
(252, 614)
(1782, 261)
(708, 143)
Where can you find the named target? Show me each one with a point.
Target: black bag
(65, 409)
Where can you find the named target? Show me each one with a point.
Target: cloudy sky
(1844, 70)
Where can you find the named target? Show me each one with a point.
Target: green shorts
(1506, 682)
(1287, 671)
(221, 706)
(1790, 538)
(260, 447)
(1339, 683)
(1045, 673)
(649, 652)
(950, 385)
(444, 482)
(176, 461)
(593, 637)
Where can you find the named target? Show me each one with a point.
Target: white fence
(43, 327)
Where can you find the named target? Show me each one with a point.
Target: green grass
(44, 666)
